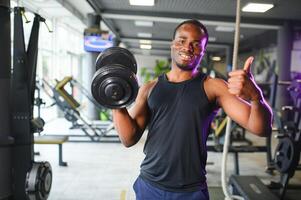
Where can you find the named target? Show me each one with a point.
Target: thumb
(248, 63)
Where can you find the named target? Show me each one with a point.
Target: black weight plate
(123, 84)
(284, 155)
(109, 77)
(117, 55)
(114, 91)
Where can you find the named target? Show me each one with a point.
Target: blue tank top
(175, 147)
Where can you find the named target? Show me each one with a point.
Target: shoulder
(214, 87)
(146, 88)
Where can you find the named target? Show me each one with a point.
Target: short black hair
(196, 23)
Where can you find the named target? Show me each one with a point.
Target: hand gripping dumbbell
(114, 84)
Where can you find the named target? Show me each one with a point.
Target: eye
(180, 41)
(196, 45)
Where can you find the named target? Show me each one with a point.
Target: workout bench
(53, 140)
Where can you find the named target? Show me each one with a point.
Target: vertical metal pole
(5, 133)
(89, 67)
(285, 46)
(236, 163)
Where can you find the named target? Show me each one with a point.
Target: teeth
(185, 56)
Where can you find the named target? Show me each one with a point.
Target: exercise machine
(93, 132)
(238, 141)
(287, 153)
(24, 178)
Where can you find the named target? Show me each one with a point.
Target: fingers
(236, 74)
(240, 81)
(234, 91)
(246, 71)
(248, 63)
(235, 87)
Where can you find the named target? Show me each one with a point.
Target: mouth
(185, 56)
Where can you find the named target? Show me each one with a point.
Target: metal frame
(22, 100)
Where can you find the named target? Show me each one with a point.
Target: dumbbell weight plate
(114, 86)
(115, 91)
(116, 55)
(285, 155)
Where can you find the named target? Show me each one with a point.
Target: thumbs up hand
(242, 84)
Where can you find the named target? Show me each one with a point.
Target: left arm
(233, 97)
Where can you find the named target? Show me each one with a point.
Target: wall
(147, 61)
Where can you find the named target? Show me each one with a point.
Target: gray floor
(106, 171)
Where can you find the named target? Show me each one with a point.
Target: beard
(185, 67)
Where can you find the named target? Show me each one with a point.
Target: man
(178, 108)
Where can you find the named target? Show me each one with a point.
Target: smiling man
(178, 108)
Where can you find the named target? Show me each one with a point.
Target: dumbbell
(114, 84)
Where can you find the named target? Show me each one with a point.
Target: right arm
(130, 125)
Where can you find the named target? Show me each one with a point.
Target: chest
(184, 98)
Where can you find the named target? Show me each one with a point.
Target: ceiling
(60, 10)
(257, 29)
(120, 16)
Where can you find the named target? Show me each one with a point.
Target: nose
(188, 47)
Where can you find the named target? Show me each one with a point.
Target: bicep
(235, 107)
(140, 112)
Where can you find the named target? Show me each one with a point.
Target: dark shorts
(146, 191)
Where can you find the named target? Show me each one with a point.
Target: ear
(171, 43)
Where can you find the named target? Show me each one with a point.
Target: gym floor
(106, 171)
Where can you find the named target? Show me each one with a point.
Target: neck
(178, 75)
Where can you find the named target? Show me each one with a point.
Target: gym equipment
(251, 188)
(6, 139)
(270, 89)
(238, 142)
(285, 118)
(114, 84)
(38, 181)
(59, 140)
(103, 112)
(287, 152)
(75, 84)
(38, 101)
(70, 108)
(286, 157)
(22, 120)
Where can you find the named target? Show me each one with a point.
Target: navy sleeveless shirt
(175, 147)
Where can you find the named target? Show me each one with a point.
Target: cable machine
(20, 176)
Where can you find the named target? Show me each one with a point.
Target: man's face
(188, 47)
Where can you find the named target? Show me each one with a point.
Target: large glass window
(60, 52)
